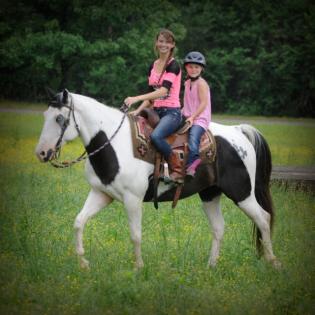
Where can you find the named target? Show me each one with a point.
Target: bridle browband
(64, 123)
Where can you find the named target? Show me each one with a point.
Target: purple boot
(191, 169)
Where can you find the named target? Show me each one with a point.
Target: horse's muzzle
(45, 156)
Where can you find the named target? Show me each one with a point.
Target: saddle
(142, 127)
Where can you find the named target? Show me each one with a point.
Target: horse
(242, 169)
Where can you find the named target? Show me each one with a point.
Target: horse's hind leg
(261, 218)
(95, 201)
(213, 212)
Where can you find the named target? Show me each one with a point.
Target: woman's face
(163, 45)
(193, 69)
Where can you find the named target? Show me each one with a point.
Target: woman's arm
(143, 105)
(162, 91)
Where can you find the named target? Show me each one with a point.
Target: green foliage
(259, 53)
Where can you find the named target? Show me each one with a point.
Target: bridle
(64, 123)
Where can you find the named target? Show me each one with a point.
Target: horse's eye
(60, 120)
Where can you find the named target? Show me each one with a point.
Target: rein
(64, 164)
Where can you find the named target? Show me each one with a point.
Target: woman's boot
(176, 168)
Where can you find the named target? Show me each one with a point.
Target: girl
(164, 79)
(197, 107)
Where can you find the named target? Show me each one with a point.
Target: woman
(164, 79)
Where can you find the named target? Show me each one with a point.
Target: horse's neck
(95, 117)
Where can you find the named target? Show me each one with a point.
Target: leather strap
(156, 176)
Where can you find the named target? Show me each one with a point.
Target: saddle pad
(144, 150)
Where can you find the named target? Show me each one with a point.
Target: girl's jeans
(195, 133)
(170, 119)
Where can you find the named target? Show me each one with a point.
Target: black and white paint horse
(242, 168)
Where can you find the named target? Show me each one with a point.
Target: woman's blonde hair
(170, 38)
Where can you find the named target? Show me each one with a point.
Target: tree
(98, 48)
(260, 54)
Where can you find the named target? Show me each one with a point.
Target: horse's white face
(55, 119)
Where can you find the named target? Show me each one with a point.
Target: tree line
(260, 53)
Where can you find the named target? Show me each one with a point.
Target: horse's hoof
(211, 264)
(139, 265)
(276, 264)
(84, 263)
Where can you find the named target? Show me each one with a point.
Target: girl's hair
(170, 38)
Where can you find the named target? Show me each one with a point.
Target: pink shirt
(191, 104)
(171, 79)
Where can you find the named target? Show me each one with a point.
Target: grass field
(290, 144)
(39, 272)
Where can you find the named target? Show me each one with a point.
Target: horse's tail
(262, 178)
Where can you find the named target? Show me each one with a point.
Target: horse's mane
(83, 99)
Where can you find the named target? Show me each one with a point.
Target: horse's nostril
(42, 153)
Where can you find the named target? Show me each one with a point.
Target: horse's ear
(65, 94)
(50, 93)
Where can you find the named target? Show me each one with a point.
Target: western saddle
(142, 126)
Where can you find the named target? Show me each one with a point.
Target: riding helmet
(195, 57)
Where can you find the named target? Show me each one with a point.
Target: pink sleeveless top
(171, 79)
(191, 103)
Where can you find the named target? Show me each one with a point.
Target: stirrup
(177, 181)
(169, 180)
(165, 176)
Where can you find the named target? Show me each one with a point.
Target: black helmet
(195, 57)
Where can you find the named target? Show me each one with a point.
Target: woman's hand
(134, 112)
(131, 100)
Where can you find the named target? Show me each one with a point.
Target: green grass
(39, 272)
(281, 119)
(289, 144)
(22, 105)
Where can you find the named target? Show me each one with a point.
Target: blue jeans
(170, 119)
(195, 133)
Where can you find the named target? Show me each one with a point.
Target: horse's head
(60, 126)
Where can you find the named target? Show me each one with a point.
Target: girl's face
(193, 70)
(163, 45)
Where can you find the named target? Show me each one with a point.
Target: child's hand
(190, 120)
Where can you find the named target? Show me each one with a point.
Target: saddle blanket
(144, 150)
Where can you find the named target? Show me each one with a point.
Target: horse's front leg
(133, 206)
(95, 201)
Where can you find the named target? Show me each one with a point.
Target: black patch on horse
(210, 193)
(104, 162)
(232, 176)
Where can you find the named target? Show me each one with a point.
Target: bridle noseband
(64, 123)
